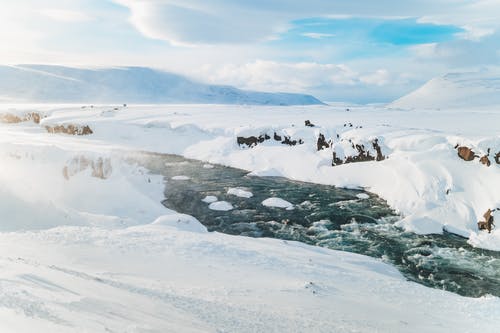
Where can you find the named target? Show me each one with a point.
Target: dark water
(326, 216)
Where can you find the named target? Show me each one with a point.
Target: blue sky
(358, 51)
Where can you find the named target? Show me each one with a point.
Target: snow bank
(180, 222)
(240, 193)
(277, 202)
(209, 199)
(221, 206)
(152, 279)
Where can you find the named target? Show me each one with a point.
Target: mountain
(58, 84)
(455, 90)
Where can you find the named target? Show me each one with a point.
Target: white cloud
(241, 21)
(380, 77)
(293, 77)
(317, 35)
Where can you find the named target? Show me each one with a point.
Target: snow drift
(57, 84)
(455, 90)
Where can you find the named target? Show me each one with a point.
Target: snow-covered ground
(88, 246)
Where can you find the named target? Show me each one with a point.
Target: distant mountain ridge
(455, 90)
(59, 84)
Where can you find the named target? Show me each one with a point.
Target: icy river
(341, 219)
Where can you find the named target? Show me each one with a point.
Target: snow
(455, 90)
(181, 177)
(221, 206)
(47, 83)
(85, 253)
(277, 202)
(240, 193)
(209, 199)
(362, 196)
(180, 222)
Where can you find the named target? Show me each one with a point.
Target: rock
(321, 143)
(70, 129)
(376, 146)
(363, 154)
(12, 119)
(289, 141)
(485, 160)
(101, 168)
(466, 153)
(309, 124)
(487, 224)
(336, 160)
(277, 137)
(497, 158)
(250, 141)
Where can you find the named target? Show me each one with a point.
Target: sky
(359, 51)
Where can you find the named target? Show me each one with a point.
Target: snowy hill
(57, 84)
(455, 90)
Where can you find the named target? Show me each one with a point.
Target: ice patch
(363, 196)
(180, 178)
(240, 193)
(209, 199)
(208, 166)
(221, 206)
(277, 202)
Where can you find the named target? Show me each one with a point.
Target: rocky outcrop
(252, 141)
(101, 167)
(70, 129)
(322, 143)
(363, 154)
(487, 224)
(466, 153)
(378, 149)
(13, 119)
(485, 160)
(308, 123)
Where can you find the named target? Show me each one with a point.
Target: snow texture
(240, 193)
(87, 253)
(277, 202)
(209, 199)
(221, 206)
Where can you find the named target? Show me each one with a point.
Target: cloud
(326, 81)
(317, 35)
(239, 21)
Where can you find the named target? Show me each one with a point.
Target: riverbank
(82, 239)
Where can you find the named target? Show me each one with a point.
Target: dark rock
(376, 146)
(321, 143)
(497, 158)
(277, 137)
(288, 141)
(309, 124)
(487, 224)
(250, 141)
(336, 160)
